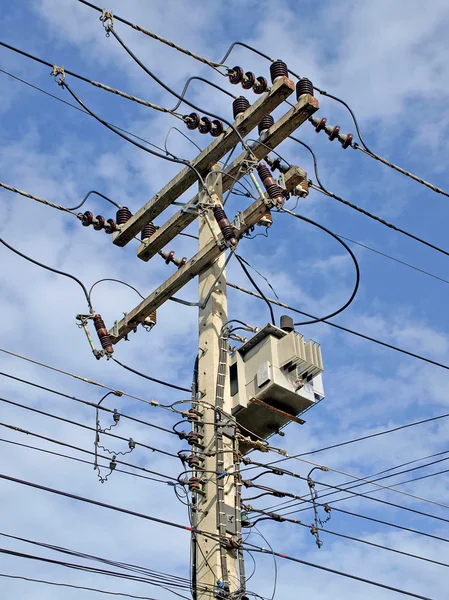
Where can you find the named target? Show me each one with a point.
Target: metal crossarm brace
(306, 106)
(244, 123)
(195, 266)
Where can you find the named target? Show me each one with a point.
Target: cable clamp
(239, 221)
(107, 18)
(59, 74)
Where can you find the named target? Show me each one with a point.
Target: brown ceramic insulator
(103, 334)
(348, 141)
(123, 214)
(236, 75)
(263, 171)
(239, 106)
(278, 68)
(98, 226)
(205, 125)
(216, 128)
(193, 438)
(276, 193)
(266, 220)
(87, 218)
(334, 133)
(111, 226)
(265, 123)
(248, 80)
(193, 460)
(169, 257)
(321, 125)
(148, 231)
(193, 415)
(223, 222)
(260, 85)
(153, 316)
(194, 484)
(192, 121)
(182, 262)
(304, 86)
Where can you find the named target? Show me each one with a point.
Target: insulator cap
(148, 231)
(216, 128)
(248, 80)
(98, 226)
(260, 85)
(239, 106)
(205, 125)
(236, 75)
(304, 86)
(321, 125)
(347, 141)
(278, 68)
(265, 123)
(287, 323)
(193, 120)
(87, 218)
(169, 257)
(123, 214)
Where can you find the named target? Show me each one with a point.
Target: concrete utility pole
(216, 510)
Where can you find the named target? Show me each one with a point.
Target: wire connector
(107, 18)
(59, 74)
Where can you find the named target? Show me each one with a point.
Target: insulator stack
(99, 222)
(150, 321)
(204, 124)
(223, 223)
(194, 484)
(148, 231)
(278, 68)
(116, 416)
(304, 86)
(169, 257)
(103, 334)
(248, 80)
(193, 461)
(194, 439)
(345, 139)
(260, 85)
(123, 214)
(239, 106)
(273, 189)
(265, 124)
(275, 163)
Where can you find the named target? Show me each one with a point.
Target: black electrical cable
(372, 435)
(39, 264)
(346, 329)
(351, 254)
(76, 587)
(196, 78)
(245, 270)
(170, 91)
(326, 192)
(128, 139)
(153, 379)
(98, 194)
(116, 281)
(86, 402)
(83, 426)
(352, 538)
(90, 452)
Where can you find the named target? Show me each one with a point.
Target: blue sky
(390, 63)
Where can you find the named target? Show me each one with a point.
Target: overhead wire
(245, 270)
(153, 379)
(38, 199)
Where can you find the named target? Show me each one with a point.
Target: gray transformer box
(279, 369)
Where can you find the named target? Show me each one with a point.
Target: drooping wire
(326, 192)
(351, 254)
(98, 194)
(196, 78)
(39, 264)
(153, 379)
(248, 274)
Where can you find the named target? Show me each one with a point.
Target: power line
(87, 403)
(66, 445)
(341, 328)
(88, 427)
(38, 199)
(166, 383)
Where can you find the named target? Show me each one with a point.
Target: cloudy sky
(388, 60)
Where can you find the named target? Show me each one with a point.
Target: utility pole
(216, 566)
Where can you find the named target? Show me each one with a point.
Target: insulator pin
(239, 106)
(265, 124)
(304, 86)
(225, 226)
(148, 231)
(123, 214)
(103, 335)
(278, 68)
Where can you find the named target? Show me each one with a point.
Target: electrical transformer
(274, 376)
